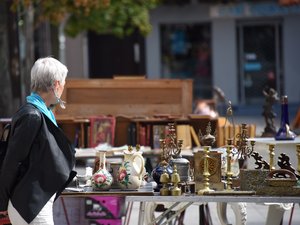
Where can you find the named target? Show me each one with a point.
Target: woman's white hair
(45, 72)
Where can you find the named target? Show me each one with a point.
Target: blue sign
(253, 10)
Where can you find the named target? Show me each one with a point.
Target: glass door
(259, 46)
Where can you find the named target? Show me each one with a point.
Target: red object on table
(5, 221)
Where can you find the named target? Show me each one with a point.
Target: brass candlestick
(164, 179)
(272, 154)
(229, 173)
(229, 115)
(252, 143)
(164, 154)
(206, 173)
(173, 146)
(175, 179)
(137, 147)
(298, 155)
(242, 143)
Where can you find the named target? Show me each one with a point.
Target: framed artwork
(102, 130)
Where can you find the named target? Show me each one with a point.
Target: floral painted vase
(102, 179)
(131, 170)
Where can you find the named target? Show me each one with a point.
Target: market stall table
(190, 199)
(177, 204)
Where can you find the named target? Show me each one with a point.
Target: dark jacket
(38, 163)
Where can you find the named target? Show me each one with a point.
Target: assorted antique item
(171, 158)
(131, 171)
(208, 139)
(269, 114)
(206, 174)
(213, 170)
(265, 179)
(162, 166)
(284, 132)
(102, 179)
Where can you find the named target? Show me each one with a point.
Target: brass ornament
(229, 173)
(205, 172)
(208, 139)
(172, 145)
(244, 150)
(175, 179)
(272, 154)
(165, 179)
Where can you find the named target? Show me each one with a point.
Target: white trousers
(45, 216)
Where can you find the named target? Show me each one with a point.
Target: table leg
(275, 215)
(166, 212)
(239, 209)
(128, 213)
(65, 210)
(142, 213)
(177, 212)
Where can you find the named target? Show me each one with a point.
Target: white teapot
(131, 171)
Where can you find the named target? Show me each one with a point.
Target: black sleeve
(23, 133)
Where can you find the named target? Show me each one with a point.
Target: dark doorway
(260, 59)
(110, 55)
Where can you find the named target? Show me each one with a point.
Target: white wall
(76, 53)
(291, 57)
(224, 58)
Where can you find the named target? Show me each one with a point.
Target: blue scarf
(38, 102)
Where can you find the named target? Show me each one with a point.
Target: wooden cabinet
(135, 103)
(125, 99)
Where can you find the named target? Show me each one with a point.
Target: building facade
(241, 48)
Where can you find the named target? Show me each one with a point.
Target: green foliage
(117, 17)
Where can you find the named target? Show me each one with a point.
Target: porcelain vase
(102, 179)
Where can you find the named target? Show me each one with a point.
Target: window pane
(260, 62)
(186, 53)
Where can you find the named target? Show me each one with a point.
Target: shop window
(186, 53)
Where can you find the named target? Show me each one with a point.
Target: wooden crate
(130, 97)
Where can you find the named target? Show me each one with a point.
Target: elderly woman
(39, 159)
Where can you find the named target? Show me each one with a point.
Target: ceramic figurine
(268, 112)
